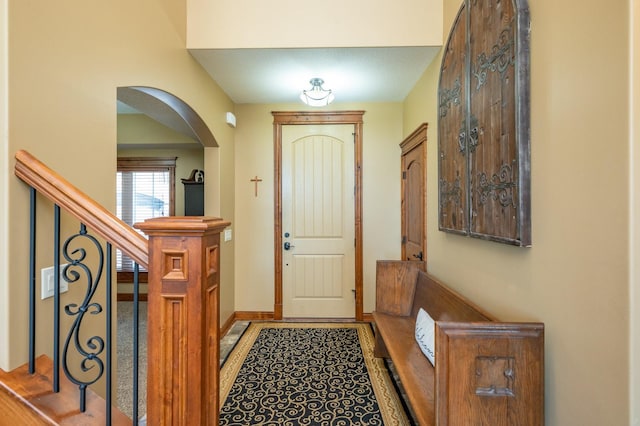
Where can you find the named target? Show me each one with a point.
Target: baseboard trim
(268, 316)
(253, 316)
(128, 297)
(227, 324)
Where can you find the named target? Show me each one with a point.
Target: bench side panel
(492, 373)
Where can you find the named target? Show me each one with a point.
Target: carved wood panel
(484, 164)
(452, 109)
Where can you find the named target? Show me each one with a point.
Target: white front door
(318, 275)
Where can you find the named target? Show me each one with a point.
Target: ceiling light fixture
(317, 96)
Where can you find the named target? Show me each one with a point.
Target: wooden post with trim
(183, 320)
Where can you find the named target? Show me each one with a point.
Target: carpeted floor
(315, 374)
(125, 358)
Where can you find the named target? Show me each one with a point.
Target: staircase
(29, 399)
(182, 259)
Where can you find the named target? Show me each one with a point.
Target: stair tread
(35, 393)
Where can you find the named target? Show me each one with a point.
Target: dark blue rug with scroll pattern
(307, 374)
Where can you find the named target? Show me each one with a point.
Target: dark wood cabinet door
(414, 195)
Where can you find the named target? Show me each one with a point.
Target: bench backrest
(403, 287)
(442, 303)
(396, 285)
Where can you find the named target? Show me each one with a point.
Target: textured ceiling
(279, 75)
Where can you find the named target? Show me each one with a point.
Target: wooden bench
(486, 372)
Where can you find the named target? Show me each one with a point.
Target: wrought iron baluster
(80, 266)
(94, 345)
(136, 330)
(32, 281)
(56, 298)
(109, 332)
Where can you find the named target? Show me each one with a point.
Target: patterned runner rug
(307, 374)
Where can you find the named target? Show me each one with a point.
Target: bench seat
(416, 373)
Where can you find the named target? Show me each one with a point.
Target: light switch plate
(47, 282)
(227, 234)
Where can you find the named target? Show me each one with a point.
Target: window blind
(144, 189)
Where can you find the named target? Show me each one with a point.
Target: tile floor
(228, 342)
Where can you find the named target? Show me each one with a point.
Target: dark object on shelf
(194, 193)
(195, 176)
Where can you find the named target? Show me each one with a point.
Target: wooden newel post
(183, 325)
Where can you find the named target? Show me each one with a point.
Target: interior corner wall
(4, 190)
(575, 277)
(634, 282)
(224, 157)
(254, 224)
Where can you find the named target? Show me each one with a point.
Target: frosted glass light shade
(317, 96)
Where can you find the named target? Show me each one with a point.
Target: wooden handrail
(82, 207)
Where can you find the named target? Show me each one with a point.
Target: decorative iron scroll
(484, 123)
(450, 192)
(449, 96)
(500, 187)
(88, 351)
(501, 57)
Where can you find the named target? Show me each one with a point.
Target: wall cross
(255, 181)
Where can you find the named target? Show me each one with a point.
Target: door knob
(417, 256)
(288, 246)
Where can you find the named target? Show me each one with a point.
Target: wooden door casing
(281, 118)
(414, 195)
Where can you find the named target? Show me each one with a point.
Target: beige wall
(635, 216)
(219, 201)
(575, 277)
(62, 83)
(255, 218)
(335, 23)
(140, 130)
(4, 182)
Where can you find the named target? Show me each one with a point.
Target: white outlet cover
(47, 282)
(227, 234)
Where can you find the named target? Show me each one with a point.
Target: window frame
(148, 164)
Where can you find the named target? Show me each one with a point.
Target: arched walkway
(169, 110)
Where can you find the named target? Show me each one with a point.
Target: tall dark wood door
(414, 195)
